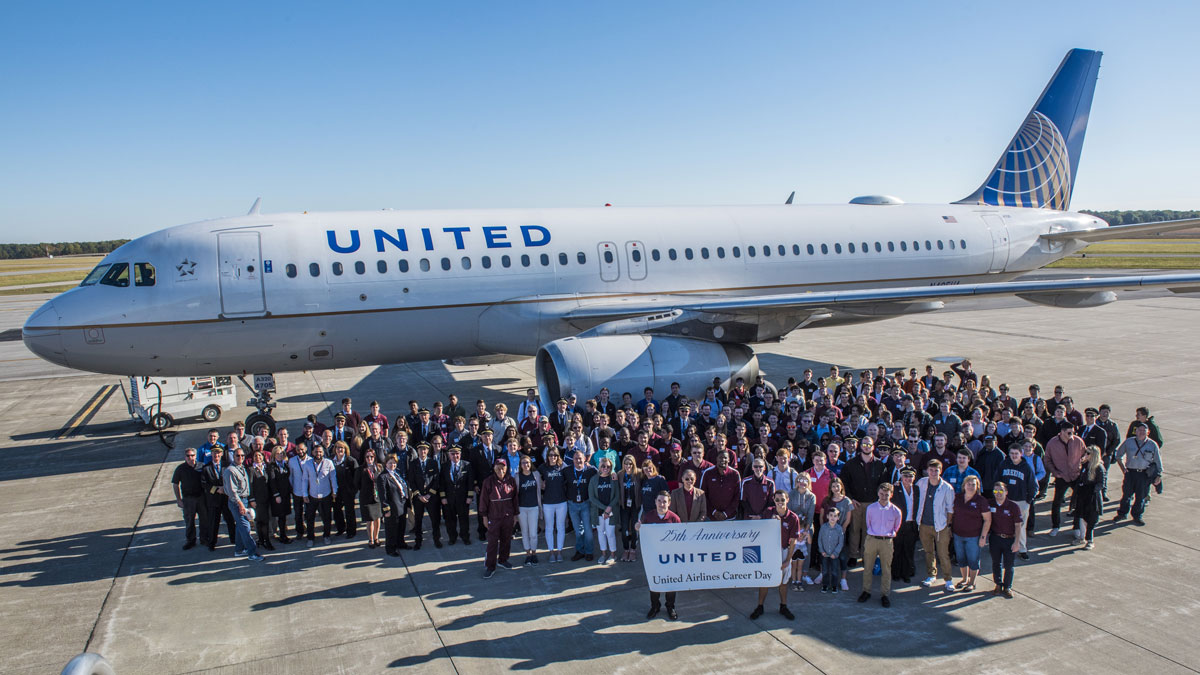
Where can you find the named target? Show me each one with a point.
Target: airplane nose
(41, 334)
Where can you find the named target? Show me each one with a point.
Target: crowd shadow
(72, 559)
(74, 456)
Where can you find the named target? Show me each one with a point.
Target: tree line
(18, 251)
(1134, 217)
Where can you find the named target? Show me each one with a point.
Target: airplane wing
(612, 309)
(1119, 231)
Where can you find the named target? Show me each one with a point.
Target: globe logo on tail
(1035, 170)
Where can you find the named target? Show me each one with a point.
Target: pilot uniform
(457, 486)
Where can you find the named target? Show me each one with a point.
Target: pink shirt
(883, 521)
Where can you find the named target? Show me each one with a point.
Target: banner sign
(725, 554)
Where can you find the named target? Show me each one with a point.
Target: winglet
(254, 209)
(790, 197)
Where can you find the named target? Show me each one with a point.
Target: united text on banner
(728, 554)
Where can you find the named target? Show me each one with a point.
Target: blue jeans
(242, 539)
(581, 519)
(966, 550)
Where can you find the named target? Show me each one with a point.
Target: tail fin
(1037, 169)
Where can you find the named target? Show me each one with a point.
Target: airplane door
(1000, 248)
(240, 266)
(636, 255)
(609, 267)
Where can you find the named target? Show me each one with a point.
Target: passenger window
(654, 255)
(837, 248)
(314, 269)
(466, 263)
(851, 247)
(402, 266)
(687, 253)
(720, 251)
(337, 269)
(524, 260)
(562, 259)
(737, 252)
(424, 264)
(545, 258)
(928, 245)
(582, 257)
(941, 245)
(766, 251)
(290, 270)
(810, 249)
(824, 249)
(951, 244)
(904, 246)
(795, 249)
(608, 257)
(962, 243)
(878, 247)
(143, 274)
(505, 261)
(636, 255)
(671, 254)
(750, 251)
(360, 267)
(891, 247)
(916, 246)
(486, 261)
(446, 264)
(381, 266)
(865, 248)
(704, 252)
(117, 275)
(782, 250)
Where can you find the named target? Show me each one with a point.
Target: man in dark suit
(424, 475)
(341, 430)
(682, 421)
(215, 499)
(481, 458)
(394, 496)
(560, 421)
(425, 428)
(907, 497)
(456, 491)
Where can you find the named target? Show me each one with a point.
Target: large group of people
(858, 471)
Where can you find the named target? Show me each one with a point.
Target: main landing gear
(263, 388)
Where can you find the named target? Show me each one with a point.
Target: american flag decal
(950, 219)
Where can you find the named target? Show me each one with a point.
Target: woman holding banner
(661, 513)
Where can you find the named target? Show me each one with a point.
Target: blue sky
(120, 118)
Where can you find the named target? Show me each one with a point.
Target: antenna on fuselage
(254, 208)
(789, 199)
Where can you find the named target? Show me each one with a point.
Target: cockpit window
(95, 275)
(117, 275)
(143, 274)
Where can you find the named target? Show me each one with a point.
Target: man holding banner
(789, 534)
(661, 514)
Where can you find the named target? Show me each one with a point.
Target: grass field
(88, 261)
(35, 291)
(40, 278)
(1146, 246)
(1120, 262)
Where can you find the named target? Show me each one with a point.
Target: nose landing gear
(263, 388)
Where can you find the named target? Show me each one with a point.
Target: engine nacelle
(1070, 298)
(632, 362)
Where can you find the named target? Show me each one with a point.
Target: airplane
(606, 296)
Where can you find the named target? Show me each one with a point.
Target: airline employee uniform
(217, 504)
(905, 545)
(424, 480)
(343, 508)
(394, 495)
(457, 487)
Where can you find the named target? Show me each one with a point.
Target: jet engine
(632, 362)
(1070, 298)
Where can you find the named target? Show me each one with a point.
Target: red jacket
(498, 498)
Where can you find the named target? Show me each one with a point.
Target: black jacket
(393, 494)
(862, 479)
(456, 489)
(281, 486)
(347, 475)
(424, 482)
(212, 480)
(898, 500)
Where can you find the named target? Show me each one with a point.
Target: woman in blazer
(370, 504)
(629, 487)
(605, 498)
(688, 501)
(260, 493)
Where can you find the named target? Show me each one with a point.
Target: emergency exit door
(240, 270)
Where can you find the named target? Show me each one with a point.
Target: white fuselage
(238, 294)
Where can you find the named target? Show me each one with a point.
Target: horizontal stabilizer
(1122, 231)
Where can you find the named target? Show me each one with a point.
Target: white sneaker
(930, 581)
(1088, 546)
(817, 579)
(845, 586)
(1054, 532)
(809, 581)
(949, 586)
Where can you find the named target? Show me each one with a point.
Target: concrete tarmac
(90, 537)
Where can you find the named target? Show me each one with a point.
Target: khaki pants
(1022, 533)
(882, 548)
(858, 529)
(937, 550)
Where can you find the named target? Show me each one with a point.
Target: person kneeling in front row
(660, 514)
